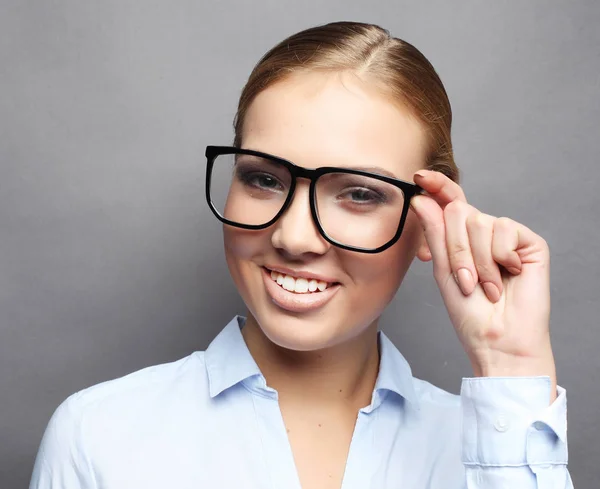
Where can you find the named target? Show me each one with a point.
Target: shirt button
(501, 423)
(538, 425)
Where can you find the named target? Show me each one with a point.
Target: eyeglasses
(353, 209)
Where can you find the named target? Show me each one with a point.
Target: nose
(295, 234)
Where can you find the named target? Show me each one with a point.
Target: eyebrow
(373, 169)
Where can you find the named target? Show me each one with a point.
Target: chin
(299, 332)
(314, 331)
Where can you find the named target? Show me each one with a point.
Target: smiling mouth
(298, 285)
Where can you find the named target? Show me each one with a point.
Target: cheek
(242, 249)
(382, 273)
(242, 244)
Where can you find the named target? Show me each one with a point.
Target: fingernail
(421, 174)
(491, 291)
(465, 280)
(514, 270)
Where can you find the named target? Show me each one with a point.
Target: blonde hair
(394, 65)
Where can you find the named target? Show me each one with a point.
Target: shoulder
(396, 372)
(432, 396)
(153, 388)
(114, 417)
(146, 382)
(438, 417)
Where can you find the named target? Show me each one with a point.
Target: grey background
(109, 258)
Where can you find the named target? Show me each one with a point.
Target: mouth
(299, 285)
(298, 294)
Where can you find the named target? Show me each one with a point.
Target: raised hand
(493, 274)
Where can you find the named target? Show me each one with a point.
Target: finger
(439, 187)
(431, 217)
(531, 247)
(505, 243)
(480, 228)
(462, 263)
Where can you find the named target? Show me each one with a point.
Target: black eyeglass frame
(409, 190)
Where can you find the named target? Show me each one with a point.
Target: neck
(342, 374)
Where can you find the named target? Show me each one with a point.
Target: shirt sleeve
(61, 462)
(512, 436)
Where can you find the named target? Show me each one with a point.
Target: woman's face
(314, 120)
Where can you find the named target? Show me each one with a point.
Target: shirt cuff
(508, 421)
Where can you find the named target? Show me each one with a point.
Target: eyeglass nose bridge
(312, 176)
(297, 232)
(306, 173)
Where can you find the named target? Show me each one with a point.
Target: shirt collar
(395, 374)
(229, 362)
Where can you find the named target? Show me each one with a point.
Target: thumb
(431, 217)
(427, 210)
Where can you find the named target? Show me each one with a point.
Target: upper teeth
(298, 284)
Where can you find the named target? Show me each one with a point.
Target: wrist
(519, 367)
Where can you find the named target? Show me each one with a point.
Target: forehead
(334, 119)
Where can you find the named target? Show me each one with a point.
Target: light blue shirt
(209, 421)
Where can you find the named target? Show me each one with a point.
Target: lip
(301, 273)
(293, 302)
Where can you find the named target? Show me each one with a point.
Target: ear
(423, 252)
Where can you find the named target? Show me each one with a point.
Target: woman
(321, 222)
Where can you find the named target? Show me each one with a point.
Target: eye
(361, 195)
(263, 180)
(260, 180)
